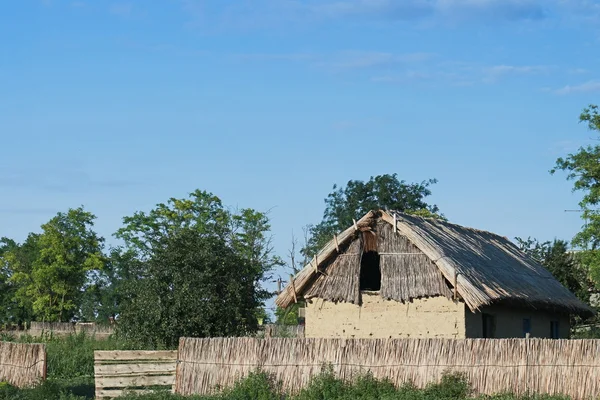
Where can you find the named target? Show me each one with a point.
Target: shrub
(256, 386)
(48, 390)
(451, 386)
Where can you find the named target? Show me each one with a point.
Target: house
(397, 275)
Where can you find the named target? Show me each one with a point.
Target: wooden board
(135, 381)
(107, 394)
(135, 355)
(120, 372)
(144, 368)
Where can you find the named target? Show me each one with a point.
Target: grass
(70, 361)
(71, 370)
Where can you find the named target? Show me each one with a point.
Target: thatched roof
(430, 257)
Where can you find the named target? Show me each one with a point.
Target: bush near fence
(520, 366)
(22, 364)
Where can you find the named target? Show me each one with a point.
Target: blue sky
(119, 105)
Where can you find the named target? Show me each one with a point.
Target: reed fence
(118, 372)
(570, 367)
(22, 364)
(68, 328)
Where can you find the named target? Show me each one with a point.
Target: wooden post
(316, 267)
(355, 225)
(337, 245)
(455, 284)
(395, 224)
(293, 288)
(278, 285)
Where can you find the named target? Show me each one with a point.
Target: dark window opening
(526, 327)
(554, 330)
(488, 325)
(370, 273)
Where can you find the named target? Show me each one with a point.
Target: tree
(6, 289)
(583, 168)
(67, 249)
(246, 230)
(193, 285)
(15, 306)
(358, 197)
(103, 294)
(242, 236)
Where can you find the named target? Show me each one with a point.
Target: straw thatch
(570, 367)
(406, 272)
(307, 275)
(22, 364)
(488, 268)
(482, 268)
(340, 280)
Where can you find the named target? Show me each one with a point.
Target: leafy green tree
(246, 230)
(68, 249)
(288, 316)
(103, 294)
(6, 289)
(154, 235)
(358, 197)
(193, 285)
(16, 258)
(583, 168)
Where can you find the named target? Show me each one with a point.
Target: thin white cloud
(516, 69)
(459, 73)
(578, 71)
(492, 9)
(370, 59)
(264, 14)
(493, 73)
(590, 86)
(277, 56)
(378, 9)
(121, 9)
(344, 60)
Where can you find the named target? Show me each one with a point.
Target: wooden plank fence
(22, 364)
(117, 372)
(570, 367)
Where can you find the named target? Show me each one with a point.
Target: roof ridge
(446, 222)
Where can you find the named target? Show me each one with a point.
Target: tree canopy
(198, 270)
(583, 168)
(50, 269)
(202, 263)
(192, 286)
(358, 197)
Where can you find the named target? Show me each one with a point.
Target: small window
(370, 272)
(488, 325)
(526, 327)
(554, 330)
